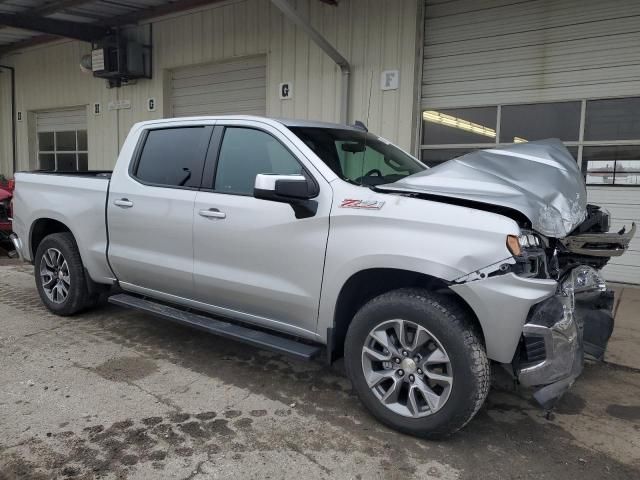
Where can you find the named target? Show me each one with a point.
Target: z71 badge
(364, 204)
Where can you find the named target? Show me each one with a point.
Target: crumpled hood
(539, 179)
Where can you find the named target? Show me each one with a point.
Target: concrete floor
(117, 394)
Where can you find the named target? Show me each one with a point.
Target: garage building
(439, 78)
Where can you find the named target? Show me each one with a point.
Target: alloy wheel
(54, 275)
(407, 368)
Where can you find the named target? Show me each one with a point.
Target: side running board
(257, 338)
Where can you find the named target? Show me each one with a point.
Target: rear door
(150, 211)
(254, 260)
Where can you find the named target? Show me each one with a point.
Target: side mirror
(284, 188)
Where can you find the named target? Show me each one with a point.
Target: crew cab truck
(294, 236)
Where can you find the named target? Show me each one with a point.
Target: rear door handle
(123, 202)
(212, 213)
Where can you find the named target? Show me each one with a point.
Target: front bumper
(558, 333)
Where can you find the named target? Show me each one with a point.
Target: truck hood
(539, 179)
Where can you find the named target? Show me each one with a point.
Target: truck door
(254, 260)
(150, 211)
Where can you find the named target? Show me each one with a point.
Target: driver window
(245, 153)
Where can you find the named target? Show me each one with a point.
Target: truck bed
(76, 199)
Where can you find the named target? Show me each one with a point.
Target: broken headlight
(584, 280)
(524, 241)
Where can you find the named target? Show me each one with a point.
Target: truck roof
(283, 121)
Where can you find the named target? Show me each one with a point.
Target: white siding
(545, 50)
(375, 35)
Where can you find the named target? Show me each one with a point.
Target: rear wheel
(417, 362)
(60, 276)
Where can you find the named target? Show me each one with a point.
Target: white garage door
(498, 71)
(62, 139)
(238, 86)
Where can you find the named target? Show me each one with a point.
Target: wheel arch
(367, 284)
(42, 227)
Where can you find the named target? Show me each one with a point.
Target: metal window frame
(580, 143)
(55, 150)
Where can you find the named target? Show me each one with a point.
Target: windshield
(358, 157)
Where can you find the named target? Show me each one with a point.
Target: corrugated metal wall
(375, 35)
(529, 51)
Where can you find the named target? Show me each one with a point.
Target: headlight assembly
(516, 244)
(584, 280)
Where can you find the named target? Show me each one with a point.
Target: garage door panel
(259, 82)
(541, 14)
(246, 107)
(62, 120)
(235, 87)
(220, 97)
(219, 78)
(622, 273)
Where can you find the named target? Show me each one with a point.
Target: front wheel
(417, 362)
(60, 276)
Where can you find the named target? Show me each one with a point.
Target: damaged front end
(576, 321)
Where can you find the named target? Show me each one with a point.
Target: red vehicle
(6, 193)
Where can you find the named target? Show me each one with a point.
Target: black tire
(458, 335)
(78, 298)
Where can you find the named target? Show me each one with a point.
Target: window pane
(47, 161)
(45, 142)
(66, 162)
(459, 125)
(614, 165)
(352, 154)
(82, 140)
(436, 156)
(66, 141)
(614, 119)
(83, 162)
(173, 157)
(244, 154)
(539, 121)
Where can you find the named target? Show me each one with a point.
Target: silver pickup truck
(304, 237)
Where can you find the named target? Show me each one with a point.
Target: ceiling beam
(29, 42)
(55, 7)
(63, 28)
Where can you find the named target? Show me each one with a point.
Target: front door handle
(123, 202)
(212, 213)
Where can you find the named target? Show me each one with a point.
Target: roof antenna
(358, 124)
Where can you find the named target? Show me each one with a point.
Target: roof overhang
(24, 23)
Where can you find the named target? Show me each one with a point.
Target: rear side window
(173, 157)
(244, 154)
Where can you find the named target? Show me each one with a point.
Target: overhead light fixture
(459, 123)
(519, 140)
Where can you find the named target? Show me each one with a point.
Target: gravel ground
(117, 394)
